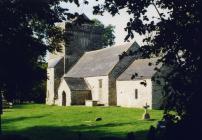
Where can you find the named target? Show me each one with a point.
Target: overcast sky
(119, 21)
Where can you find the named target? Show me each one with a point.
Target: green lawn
(42, 122)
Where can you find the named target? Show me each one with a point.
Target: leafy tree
(108, 33)
(176, 40)
(27, 32)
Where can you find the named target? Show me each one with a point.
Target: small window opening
(136, 94)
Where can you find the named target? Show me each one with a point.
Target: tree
(108, 33)
(176, 40)
(27, 32)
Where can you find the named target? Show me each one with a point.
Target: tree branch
(157, 10)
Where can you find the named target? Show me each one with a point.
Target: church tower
(80, 36)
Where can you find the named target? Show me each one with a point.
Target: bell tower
(80, 36)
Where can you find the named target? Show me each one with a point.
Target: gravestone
(6, 104)
(146, 115)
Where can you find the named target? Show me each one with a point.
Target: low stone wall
(90, 103)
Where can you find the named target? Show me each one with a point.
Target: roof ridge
(126, 44)
(99, 62)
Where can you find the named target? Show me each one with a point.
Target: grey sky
(119, 21)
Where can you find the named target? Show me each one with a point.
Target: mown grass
(43, 122)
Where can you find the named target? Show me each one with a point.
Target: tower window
(136, 94)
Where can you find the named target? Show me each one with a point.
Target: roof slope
(76, 83)
(141, 67)
(53, 62)
(79, 19)
(97, 63)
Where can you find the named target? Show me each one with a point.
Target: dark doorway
(63, 98)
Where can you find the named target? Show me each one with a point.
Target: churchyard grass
(43, 122)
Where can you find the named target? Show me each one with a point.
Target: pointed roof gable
(142, 68)
(80, 19)
(98, 63)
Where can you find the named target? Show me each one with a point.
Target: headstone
(146, 115)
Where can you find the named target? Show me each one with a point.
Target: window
(136, 94)
(100, 83)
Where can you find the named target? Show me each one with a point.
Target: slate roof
(141, 67)
(76, 83)
(53, 62)
(97, 63)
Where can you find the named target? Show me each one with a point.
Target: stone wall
(126, 93)
(112, 99)
(53, 82)
(157, 95)
(120, 67)
(58, 73)
(99, 94)
(63, 88)
(50, 87)
(158, 84)
(79, 97)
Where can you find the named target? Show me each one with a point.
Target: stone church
(85, 73)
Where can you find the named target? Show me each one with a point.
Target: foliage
(175, 38)
(108, 33)
(43, 122)
(27, 32)
(33, 93)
